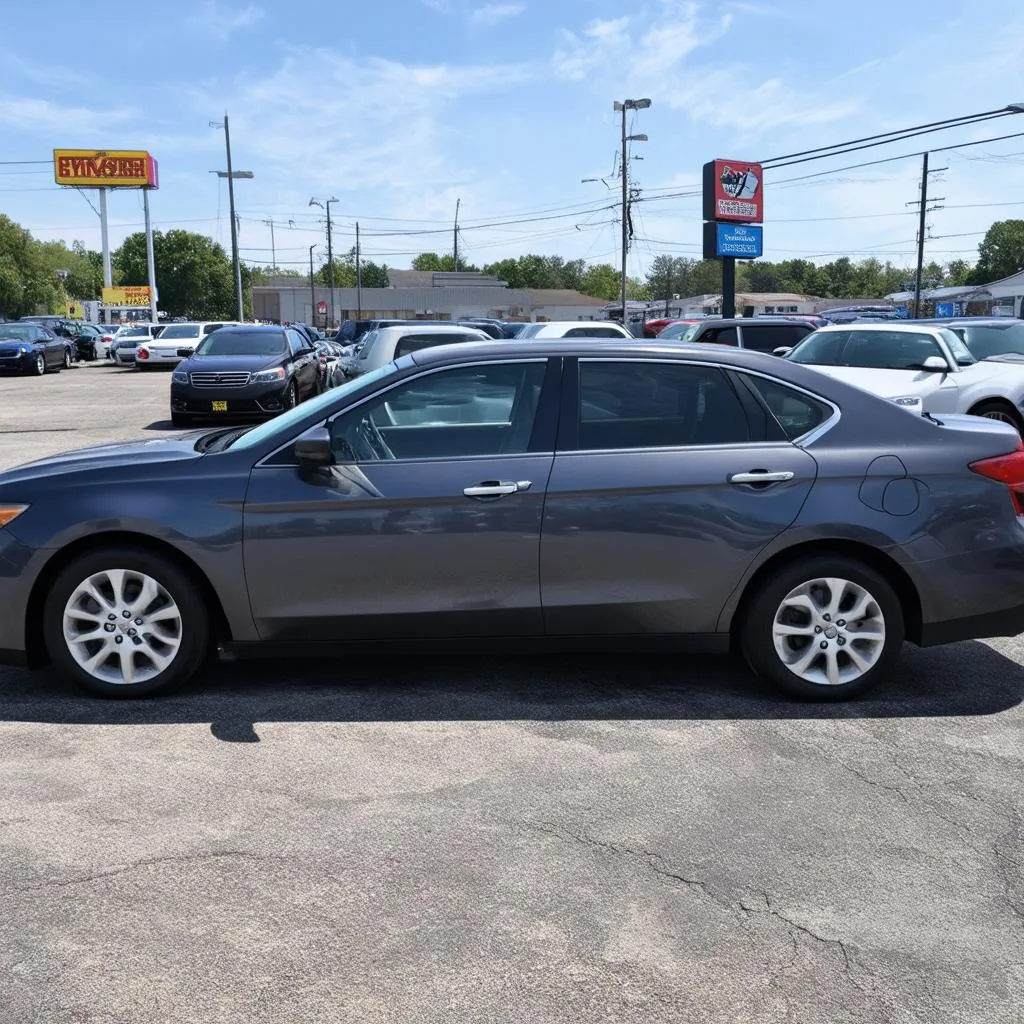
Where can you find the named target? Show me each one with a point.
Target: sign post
(108, 169)
(733, 202)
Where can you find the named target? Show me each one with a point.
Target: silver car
(379, 347)
(922, 366)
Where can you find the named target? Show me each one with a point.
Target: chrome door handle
(497, 488)
(761, 476)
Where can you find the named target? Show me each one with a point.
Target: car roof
(432, 329)
(743, 321)
(911, 326)
(978, 321)
(578, 323)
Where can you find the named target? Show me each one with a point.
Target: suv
(762, 334)
(385, 344)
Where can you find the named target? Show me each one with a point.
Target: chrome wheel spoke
(832, 666)
(837, 591)
(127, 655)
(116, 577)
(84, 638)
(159, 659)
(166, 614)
(146, 596)
(862, 663)
(788, 629)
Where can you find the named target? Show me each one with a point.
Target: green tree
(27, 283)
(958, 272)
(374, 275)
(1001, 252)
(441, 264)
(344, 273)
(602, 281)
(194, 276)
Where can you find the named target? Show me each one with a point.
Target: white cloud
(46, 117)
(221, 21)
(491, 14)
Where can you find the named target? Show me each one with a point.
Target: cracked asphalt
(577, 838)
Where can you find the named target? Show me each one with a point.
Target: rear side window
(717, 336)
(593, 332)
(768, 337)
(657, 405)
(414, 342)
(795, 412)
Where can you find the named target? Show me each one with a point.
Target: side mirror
(782, 351)
(313, 450)
(935, 364)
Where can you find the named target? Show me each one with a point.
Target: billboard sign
(741, 241)
(733, 190)
(131, 297)
(113, 168)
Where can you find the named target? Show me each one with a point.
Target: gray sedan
(561, 494)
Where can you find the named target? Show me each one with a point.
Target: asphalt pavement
(545, 839)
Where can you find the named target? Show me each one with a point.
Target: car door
(54, 346)
(428, 522)
(667, 482)
(300, 359)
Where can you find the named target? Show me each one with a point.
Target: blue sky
(401, 107)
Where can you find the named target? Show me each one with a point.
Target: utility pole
(625, 105)
(150, 260)
(922, 228)
(108, 279)
(359, 278)
(234, 225)
(273, 248)
(458, 203)
(325, 204)
(312, 289)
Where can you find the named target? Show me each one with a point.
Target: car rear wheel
(123, 622)
(823, 628)
(1001, 411)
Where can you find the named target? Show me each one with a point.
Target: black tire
(180, 419)
(184, 593)
(38, 367)
(757, 625)
(67, 360)
(1002, 411)
(291, 397)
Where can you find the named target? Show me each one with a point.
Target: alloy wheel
(1001, 417)
(829, 631)
(40, 364)
(122, 626)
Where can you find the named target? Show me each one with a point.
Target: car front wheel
(38, 365)
(123, 622)
(823, 628)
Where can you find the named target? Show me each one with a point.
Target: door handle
(761, 476)
(496, 488)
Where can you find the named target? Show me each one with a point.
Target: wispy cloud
(222, 20)
(492, 14)
(45, 117)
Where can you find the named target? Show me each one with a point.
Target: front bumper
(18, 362)
(251, 400)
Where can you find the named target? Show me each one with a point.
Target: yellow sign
(74, 311)
(132, 296)
(98, 168)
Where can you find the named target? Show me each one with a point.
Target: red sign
(733, 190)
(321, 308)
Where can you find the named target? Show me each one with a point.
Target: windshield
(369, 340)
(172, 331)
(241, 343)
(988, 340)
(12, 332)
(879, 350)
(284, 423)
(530, 330)
(133, 332)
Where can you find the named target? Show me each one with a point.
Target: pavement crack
(98, 876)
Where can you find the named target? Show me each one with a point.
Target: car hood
(885, 383)
(12, 344)
(228, 364)
(107, 456)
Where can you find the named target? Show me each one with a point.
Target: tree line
(195, 277)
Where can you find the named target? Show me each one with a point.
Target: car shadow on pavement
(962, 679)
(161, 425)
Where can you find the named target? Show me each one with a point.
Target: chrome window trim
(802, 441)
(405, 380)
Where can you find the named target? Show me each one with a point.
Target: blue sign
(945, 309)
(744, 241)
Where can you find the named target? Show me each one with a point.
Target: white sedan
(924, 367)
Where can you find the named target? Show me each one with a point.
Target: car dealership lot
(575, 838)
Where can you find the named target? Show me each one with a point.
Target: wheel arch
(888, 567)
(35, 645)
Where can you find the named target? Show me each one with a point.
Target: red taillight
(1006, 469)
(142, 354)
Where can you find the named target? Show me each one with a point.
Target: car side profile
(919, 363)
(603, 494)
(760, 334)
(31, 348)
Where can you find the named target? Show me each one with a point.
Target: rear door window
(795, 412)
(718, 336)
(415, 342)
(768, 337)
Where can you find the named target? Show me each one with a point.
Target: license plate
(219, 406)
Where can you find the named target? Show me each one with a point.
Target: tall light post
(325, 204)
(231, 174)
(622, 107)
(312, 289)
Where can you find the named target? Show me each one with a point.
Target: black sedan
(33, 349)
(245, 372)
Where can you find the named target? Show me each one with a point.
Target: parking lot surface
(584, 838)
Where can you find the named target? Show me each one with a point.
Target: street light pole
(234, 225)
(625, 105)
(312, 289)
(359, 278)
